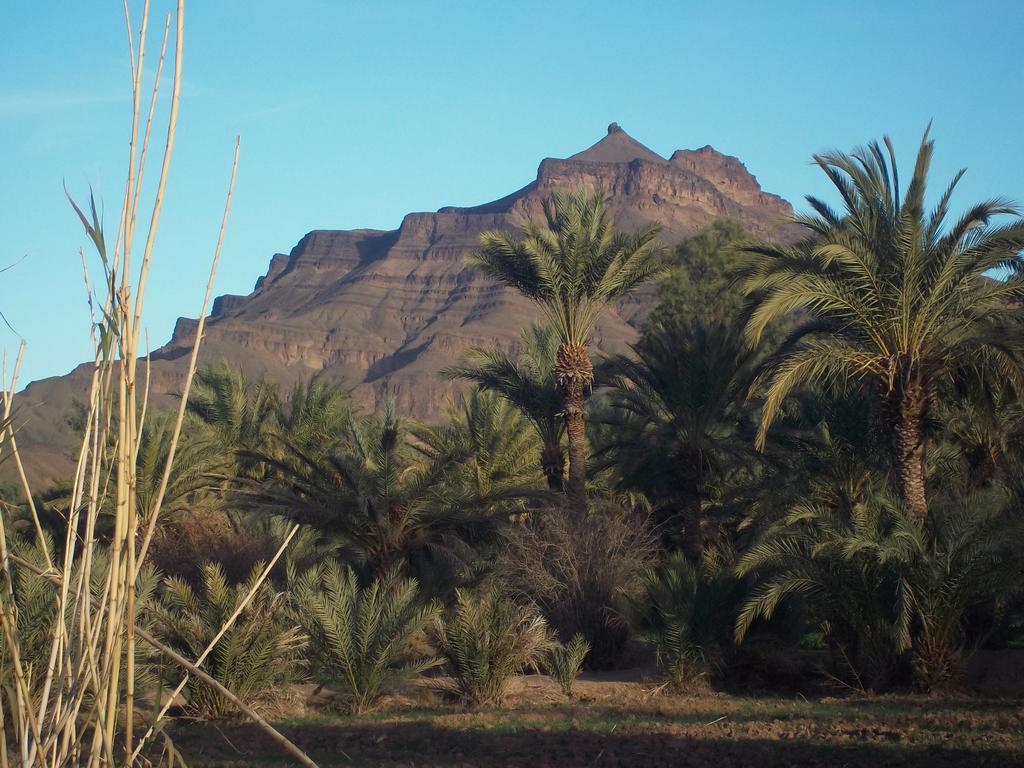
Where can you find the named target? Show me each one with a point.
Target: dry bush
(577, 568)
(184, 546)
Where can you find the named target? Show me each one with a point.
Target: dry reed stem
(85, 657)
(192, 363)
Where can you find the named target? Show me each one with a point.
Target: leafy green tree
(678, 417)
(891, 298)
(529, 384)
(571, 267)
(699, 285)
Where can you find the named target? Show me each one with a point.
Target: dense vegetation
(814, 449)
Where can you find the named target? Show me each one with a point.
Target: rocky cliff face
(384, 311)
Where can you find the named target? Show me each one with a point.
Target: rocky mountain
(384, 311)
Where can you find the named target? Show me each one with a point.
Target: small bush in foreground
(359, 636)
(566, 662)
(487, 641)
(258, 658)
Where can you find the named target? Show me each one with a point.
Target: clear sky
(353, 113)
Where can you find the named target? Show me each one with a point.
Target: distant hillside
(384, 311)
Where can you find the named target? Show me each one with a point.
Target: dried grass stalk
(74, 705)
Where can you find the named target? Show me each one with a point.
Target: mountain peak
(381, 313)
(617, 146)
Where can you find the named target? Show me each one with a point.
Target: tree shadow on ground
(421, 744)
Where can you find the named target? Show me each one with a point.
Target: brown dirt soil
(623, 720)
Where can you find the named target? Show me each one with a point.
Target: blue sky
(354, 113)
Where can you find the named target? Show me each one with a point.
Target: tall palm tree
(891, 297)
(246, 418)
(529, 384)
(571, 267)
(196, 477)
(677, 414)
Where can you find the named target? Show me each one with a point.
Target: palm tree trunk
(575, 427)
(575, 375)
(552, 462)
(909, 449)
(693, 539)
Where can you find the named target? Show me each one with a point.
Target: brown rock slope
(383, 312)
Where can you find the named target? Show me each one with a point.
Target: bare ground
(622, 720)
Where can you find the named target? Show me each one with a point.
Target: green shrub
(487, 641)
(891, 596)
(686, 612)
(359, 636)
(566, 662)
(36, 614)
(257, 659)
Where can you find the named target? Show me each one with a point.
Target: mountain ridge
(382, 311)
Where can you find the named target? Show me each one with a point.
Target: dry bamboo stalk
(193, 668)
(78, 711)
(192, 363)
(8, 400)
(149, 118)
(127, 510)
(172, 122)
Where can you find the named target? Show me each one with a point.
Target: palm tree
(880, 585)
(387, 508)
(677, 415)
(529, 384)
(891, 297)
(490, 447)
(238, 415)
(245, 418)
(982, 439)
(197, 474)
(316, 415)
(571, 268)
